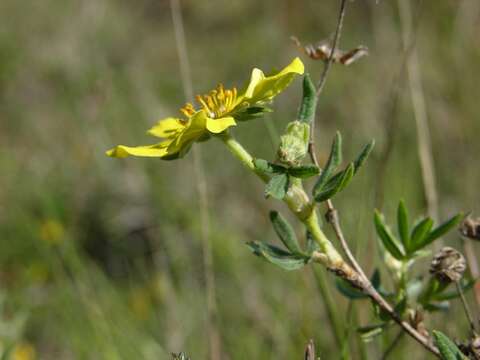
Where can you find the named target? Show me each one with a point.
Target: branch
(333, 219)
(323, 77)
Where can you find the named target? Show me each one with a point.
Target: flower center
(216, 104)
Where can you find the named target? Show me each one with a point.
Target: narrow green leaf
(376, 279)
(277, 186)
(285, 232)
(251, 113)
(420, 232)
(389, 241)
(367, 333)
(442, 229)
(449, 295)
(309, 101)
(440, 306)
(348, 290)
(432, 288)
(448, 349)
(268, 168)
(304, 171)
(333, 162)
(277, 256)
(401, 306)
(311, 245)
(336, 184)
(360, 160)
(402, 220)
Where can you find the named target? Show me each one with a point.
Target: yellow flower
(218, 111)
(52, 232)
(23, 351)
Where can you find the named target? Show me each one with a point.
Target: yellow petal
(158, 150)
(216, 126)
(264, 88)
(194, 129)
(167, 127)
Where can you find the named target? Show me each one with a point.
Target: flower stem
(241, 154)
(299, 203)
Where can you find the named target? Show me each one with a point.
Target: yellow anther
(188, 110)
(217, 103)
(202, 103)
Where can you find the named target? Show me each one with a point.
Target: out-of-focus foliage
(101, 258)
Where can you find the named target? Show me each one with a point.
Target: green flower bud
(294, 143)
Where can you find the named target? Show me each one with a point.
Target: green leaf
(304, 171)
(367, 333)
(360, 160)
(333, 162)
(278, 256)
(389, 241)
(376, 279)
(401, 306)
(449, 295)
(448, 349)
(419, 254)
(420, 232)
(432, 288)
(335, 184)
(268, 168)
(251, 113)
(402, 220)
(285, 232)
(309, 101)
(354, 294)
(442, 229)
(440, 306)
(277, 186)
(348, 290)
(312, 245)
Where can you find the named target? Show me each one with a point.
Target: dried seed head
(448, 265)
(475, 347)
(471, 348)
(470, 228)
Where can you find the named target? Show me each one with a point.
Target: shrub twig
(333, 218)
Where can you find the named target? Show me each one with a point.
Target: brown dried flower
(471, 348)
(470, 228)
(323, 49)
(448, 265)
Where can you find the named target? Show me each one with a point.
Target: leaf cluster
(331, 182)
(409, 243)
(281, 176)
(293, 257)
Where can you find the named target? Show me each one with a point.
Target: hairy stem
(297, 201)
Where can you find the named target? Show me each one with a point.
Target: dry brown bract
(322, 50)
(470, 228)
(448, 265)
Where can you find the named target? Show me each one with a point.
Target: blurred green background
(102, 258)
